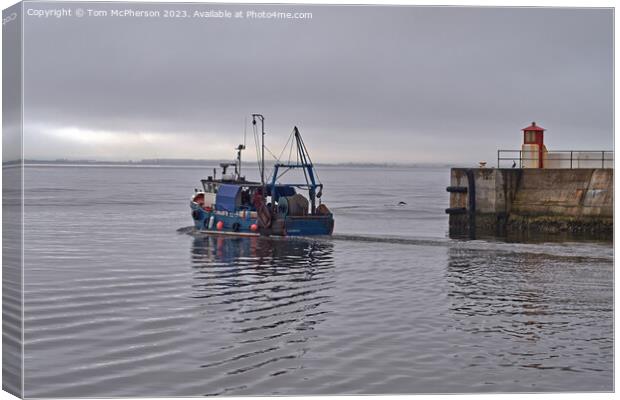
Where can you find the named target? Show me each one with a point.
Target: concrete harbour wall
(501, 201)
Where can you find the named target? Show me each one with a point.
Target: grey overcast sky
(363, 83)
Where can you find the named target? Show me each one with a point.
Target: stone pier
(504, 201)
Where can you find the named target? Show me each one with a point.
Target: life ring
(196, 214)
(236, 226)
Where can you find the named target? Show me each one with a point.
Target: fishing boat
(235, 206)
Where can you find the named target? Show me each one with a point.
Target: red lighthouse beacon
(533, 149)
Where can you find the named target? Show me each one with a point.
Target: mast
(308, 168)
(262, 152)
(304, 162)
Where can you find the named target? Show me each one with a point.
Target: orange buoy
(253, 227)
(219, 225)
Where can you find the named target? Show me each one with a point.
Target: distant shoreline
(180, 163)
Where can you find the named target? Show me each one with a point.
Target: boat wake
(583, 250)
(393, 240)
(187, 230)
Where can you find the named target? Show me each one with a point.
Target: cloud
(403, 84)
(44, 142)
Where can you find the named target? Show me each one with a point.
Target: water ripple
(128, 307)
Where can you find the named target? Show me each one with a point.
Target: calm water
(118, 303)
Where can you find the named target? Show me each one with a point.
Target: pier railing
(556, 159)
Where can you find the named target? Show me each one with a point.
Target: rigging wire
(301, 154)
(278, 158)
(300, 150)
(255, 131)
(271, 170)
(290, 152)
(289, 144)
(273, 155)
(285, 147)
(310, 159)
(245, 129)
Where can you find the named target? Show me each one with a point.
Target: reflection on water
(387, 305)
(535, 311)
(270, 294)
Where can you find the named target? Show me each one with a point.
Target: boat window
(246, 200)
(209, 187)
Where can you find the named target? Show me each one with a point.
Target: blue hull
(309, 226)
(208, 221)
(233, 223)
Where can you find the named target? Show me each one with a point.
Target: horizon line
(197, 161)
